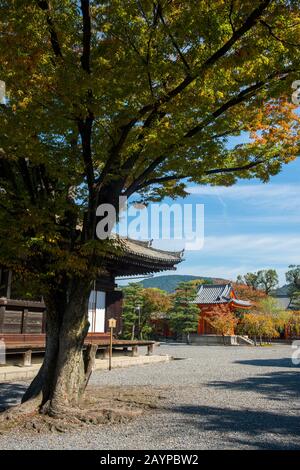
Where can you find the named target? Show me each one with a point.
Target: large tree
(249, 279)
(244, 292)
(265, 279)
(123, 98)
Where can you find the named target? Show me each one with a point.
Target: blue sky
(248, 226)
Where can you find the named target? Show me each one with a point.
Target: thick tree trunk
(61, 379)
(69, 374)
(43, 382)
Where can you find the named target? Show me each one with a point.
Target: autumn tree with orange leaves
(136, 99)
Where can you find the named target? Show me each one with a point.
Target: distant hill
(282, 291)
(169, 282)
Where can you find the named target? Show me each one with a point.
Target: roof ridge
(215, 285)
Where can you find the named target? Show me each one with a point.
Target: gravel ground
(216, 398)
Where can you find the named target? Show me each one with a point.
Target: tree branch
(23, 167)
(85, 131)
(44, 5)
(154, 107)
(214, 171)
(230, 15)
(86, 39)
(241, 97)
(248, 24)
(183, 59)
(271, 32)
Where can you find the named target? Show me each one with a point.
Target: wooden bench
(125, 345)
(35, 344)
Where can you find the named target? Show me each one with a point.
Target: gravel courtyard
(214, 398)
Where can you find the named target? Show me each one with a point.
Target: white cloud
(277, 196)
(227, 256)
(261, 248)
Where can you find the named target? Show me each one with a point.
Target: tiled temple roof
(135, 257)
(218, 294)
(145, 250)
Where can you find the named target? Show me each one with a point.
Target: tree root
(76, 418)
(111, 405)
(15, 415)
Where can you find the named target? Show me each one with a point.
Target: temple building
(21, 318)
(216, 299)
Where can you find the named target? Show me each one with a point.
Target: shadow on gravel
(11, 394)
(284, 362)
(244, 427)
(275, 386)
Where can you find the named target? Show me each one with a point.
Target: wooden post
(24, 320)
(134, 351)
(27, 358)
(110, 348)
(111, 324)
(106, 353)
(2, 314)
(150, 349)
(8, 290)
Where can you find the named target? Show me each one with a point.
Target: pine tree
(184, 313)
(133, 303)
(139, 307)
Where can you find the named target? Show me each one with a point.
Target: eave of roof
(144, 249)
(241, 303)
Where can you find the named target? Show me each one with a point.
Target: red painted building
(216, 299)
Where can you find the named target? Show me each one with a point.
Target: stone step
(244, 341)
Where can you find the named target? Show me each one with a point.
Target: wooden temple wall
(21, 317)
(114, 307)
